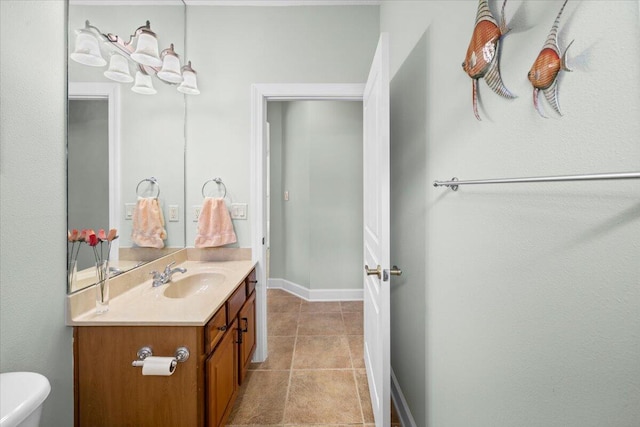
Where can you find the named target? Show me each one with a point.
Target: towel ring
(153, 181)
(217, 181)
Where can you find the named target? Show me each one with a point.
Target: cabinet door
(247, 325)
(222, 379)
(110, 392)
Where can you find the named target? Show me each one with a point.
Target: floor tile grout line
(353, 372)
(293, 355)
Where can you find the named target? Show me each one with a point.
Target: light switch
(286, 196)
(128, 210)
(238, 211)
(173, 213)
(196, 212)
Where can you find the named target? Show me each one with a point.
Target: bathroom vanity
(210, 310)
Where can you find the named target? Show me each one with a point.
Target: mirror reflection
(126, 139)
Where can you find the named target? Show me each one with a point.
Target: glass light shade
(118, 69)
(189, 84)
(147, 50)
(87, 51)
(170, 69)
(143, 84)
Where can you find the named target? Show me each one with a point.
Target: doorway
(260, 95)
(314, 198)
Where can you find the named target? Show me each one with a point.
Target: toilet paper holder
(181, 355)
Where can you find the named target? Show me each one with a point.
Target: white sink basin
(193, 284)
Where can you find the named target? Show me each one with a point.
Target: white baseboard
(406, 419)
(316, 294)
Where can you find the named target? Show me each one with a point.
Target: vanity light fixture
(142, 50)
(189, 85)
(118, 69)
(143, 84)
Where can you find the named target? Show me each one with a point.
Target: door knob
(370, 271)
(395, 271)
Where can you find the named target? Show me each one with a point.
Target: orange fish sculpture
(544, 72)
(482, 54)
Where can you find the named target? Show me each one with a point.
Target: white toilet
(21, 397)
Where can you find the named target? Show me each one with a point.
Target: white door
(376, 234)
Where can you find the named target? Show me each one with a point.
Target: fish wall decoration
(483, 52)
(544, 71)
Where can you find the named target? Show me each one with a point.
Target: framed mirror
(124, 147)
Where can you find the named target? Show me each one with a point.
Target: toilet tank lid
(20, 394)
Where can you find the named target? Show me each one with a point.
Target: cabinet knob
(222, 328)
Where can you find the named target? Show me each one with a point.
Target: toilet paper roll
(163, 366)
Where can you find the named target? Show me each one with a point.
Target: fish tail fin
(494, 81)
(475, 98)
(563, 60)
(536, 104)
(503, 22)
(551, 93)
(552, 38)
(484, 13)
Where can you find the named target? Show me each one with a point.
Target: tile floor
(314, 375)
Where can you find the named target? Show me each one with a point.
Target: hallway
(315, 374)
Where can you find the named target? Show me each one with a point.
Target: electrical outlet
(128, 210)
(174, 213)
(238, 211)
(196, 212)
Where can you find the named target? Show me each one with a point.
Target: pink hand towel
(214, 224)
(148, 224)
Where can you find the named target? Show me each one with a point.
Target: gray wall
(33, 336)
(527, 294)
(316, 155)
(235, 47)
(88, 169)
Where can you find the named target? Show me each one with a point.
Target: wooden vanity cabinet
(222, 379)
(109, 391)
(247, 342)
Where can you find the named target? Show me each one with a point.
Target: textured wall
(530, 292)
(33, 336)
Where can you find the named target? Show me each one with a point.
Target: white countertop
(143, 305)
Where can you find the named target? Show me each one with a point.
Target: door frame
(260, 94)
(110, 92)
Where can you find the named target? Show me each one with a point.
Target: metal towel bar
(454, 183)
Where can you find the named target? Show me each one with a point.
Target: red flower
(92, 239)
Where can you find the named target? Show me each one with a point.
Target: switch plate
(174, 215)
(196, 212)
(238, 211)
(128, 210)
(286, 196)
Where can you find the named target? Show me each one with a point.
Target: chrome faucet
(160, 279)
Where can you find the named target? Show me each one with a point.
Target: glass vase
(102, 287)
(72, 272)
